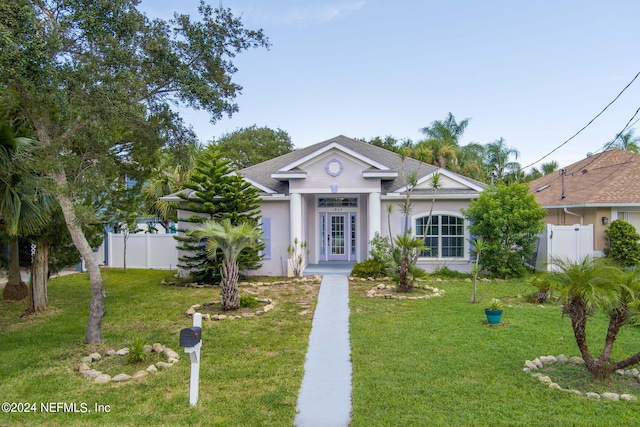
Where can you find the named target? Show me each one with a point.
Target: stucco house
(335, 196)
(595, 190)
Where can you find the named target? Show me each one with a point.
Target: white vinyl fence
(568, 242)
(155, 251)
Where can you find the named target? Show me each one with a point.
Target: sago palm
(231, 241)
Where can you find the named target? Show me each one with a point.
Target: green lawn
(250, 374)
(436, 362)
(415, 363)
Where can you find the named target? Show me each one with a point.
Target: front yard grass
(436, 362)
(250, 373)
(415, 362)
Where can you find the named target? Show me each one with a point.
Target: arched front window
(445, 237)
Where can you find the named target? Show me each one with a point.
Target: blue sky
(531, 72)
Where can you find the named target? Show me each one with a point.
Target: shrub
(248, 301)
(446, 272)
(136, 351)
(369, 268)
(623, 247)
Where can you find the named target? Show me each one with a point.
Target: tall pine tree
(214, 191)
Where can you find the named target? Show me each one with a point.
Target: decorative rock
(147, 349)
(635, 372)
(576, 392)
(170, 354)
(628, 397)
(190, 311)
(152, 369)
(576, 360)
(139, 374)
(545, 379)
(102, 379)
(95, 356)
(620, 372)
(267, 308)
(537, 362)
(158, 348)
(123, 351)
(555, 385)
(91, 374)
(196, 306)
(163, 365)
(121, 377)
(83, 367)
(527, 370)
(529, 364)
(610, 396)
(562, 358)
(436, 290)
(544, 360)
(222, 317)
(593, 395)
(173, 360)
(381, 286)
(551, 359)
(87, 359)
(248, 315)
(110, 353)
(207, 317)
(260, 313)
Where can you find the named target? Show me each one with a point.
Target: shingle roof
(261, 173)
(608, 178)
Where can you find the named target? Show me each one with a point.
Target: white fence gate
(568, 242)
(156, 251)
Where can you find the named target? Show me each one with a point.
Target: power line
(585, 126)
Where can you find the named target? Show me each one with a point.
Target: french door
(338, 236)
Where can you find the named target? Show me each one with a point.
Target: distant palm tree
(498, 159)
(231, 240)
(626, 141)
(448, 130)
(545, 169)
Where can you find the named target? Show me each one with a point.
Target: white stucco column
(295, 218)
(373, 215)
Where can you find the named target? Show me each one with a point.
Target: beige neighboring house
(596, 190)
(334, 197)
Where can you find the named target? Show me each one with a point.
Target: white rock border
(101, 378)
(373, 292)
(530, 366)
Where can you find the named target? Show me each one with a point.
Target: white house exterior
(335, 195)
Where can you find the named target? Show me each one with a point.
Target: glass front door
(338, 236)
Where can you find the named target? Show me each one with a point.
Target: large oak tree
(93, 78)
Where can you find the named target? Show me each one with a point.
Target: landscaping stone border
(270, 304)
(101, 378)
(376, 291)
(530, 366)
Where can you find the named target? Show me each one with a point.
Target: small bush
(369, 268)
(446, 272)
(623, 247)
(136, 351)
(248, 301)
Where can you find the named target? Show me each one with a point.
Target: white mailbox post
(191, 340)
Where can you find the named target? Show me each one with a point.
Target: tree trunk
(403, 272)
(229, 293)
(578, 313)
(96, 307)
(38, 300)
(15, 289)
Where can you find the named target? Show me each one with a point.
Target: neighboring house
(596, 190)
(334, 196)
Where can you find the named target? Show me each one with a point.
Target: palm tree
(626, 141)
(447, 131)
(497, 159)
(24, 203)
(545, 169)
(231, 240)
(588, 286)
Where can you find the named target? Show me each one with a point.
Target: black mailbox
(189, 337)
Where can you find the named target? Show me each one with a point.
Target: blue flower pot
(493, 316)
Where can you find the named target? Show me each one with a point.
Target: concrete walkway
(325, 394)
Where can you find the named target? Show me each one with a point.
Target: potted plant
(494, 311)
